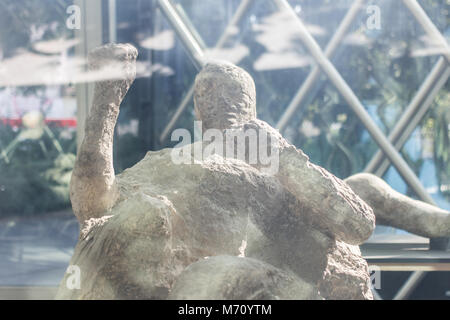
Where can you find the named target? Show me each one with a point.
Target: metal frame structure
(91, 35)
(389, 147)
(195, 52)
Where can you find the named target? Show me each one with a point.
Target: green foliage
(440, 125)
(35, 163)
(36, 177)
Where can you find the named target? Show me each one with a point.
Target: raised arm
(93, 189)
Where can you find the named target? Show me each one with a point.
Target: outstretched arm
(93, 189)
(397, 210)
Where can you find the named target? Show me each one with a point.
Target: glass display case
(389, 58)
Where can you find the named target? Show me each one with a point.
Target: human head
(224, 95)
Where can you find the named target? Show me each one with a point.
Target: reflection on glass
(41, 76)
(37, 141)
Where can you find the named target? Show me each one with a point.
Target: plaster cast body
(147, 232)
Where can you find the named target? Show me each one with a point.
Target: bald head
(224, 95)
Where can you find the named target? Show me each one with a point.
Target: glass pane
(386, 67)
(330, 133)
(46, 90)
(427, 152)
(37, 142)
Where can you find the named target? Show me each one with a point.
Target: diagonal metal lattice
(389, 147)
(197, 54)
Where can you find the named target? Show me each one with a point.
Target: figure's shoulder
(264, 128)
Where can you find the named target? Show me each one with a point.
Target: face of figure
(224, 95)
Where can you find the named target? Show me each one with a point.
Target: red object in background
(60, 123)
(11, 122)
